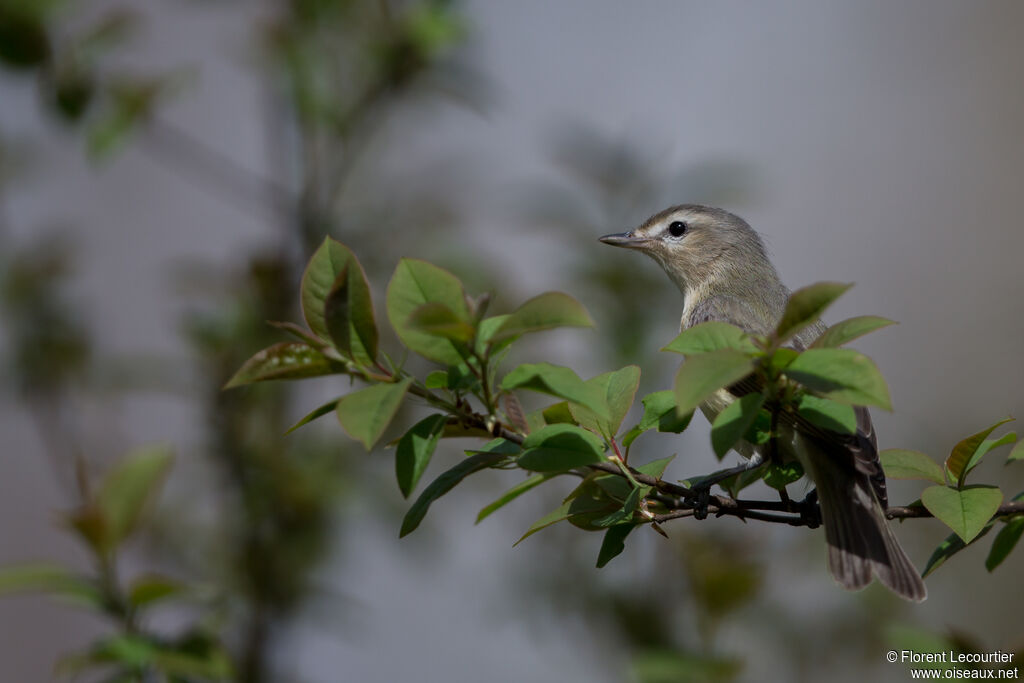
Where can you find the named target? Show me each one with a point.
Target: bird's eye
(677, 228)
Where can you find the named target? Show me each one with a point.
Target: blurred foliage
(277, 494)
(339, 66)
(106, 520)
(47, 344)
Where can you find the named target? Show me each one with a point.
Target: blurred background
(167, 167)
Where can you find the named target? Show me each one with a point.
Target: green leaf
(950, 547)
(847, 330)
(781, 476)
(484, 336)
(986, 446)
(366, 413)
(702, 375)
(780, 359)
(557, 381)
(436, 379)
(842, 375)
(711, 336)
(619, 390)
(962, 454)
(128, 487)
(325, 409)
(547, 520)
(733, 422)
(513, 493)
(1017, 453)
(659, 412)
(544, 312)
(613, 544)
(557, 413)
(805, 307)
(151, 588)
(965, 511)
(437, 320)
(836, 417)
(336, 301)
(499, 445)
(655, 468)
(1004, 543)
(445, 483)
(415, 450)
(416, 283)
(287, 360)
(899, 463)
(560, 447)
(51, 579)
(630, 505)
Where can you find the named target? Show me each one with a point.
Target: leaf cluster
(771, 386)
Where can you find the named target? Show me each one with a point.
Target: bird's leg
(702, 488)
(784, 497)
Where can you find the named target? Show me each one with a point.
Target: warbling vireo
(720, 265)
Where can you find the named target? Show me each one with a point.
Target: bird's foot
(810, 512)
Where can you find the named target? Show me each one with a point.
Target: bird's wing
(861, 448)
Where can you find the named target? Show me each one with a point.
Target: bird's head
(697, 245)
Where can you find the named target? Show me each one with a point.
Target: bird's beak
(624, 239)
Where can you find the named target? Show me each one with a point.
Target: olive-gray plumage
(720, 265)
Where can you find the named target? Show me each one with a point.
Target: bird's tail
(860, 542)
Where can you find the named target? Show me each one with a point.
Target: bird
(720, 265)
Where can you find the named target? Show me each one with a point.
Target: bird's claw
(701, 499)
(810, 513)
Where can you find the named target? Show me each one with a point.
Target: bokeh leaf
(51, 579)
(151, 588)
(129, 486)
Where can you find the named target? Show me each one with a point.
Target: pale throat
(693, 289)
